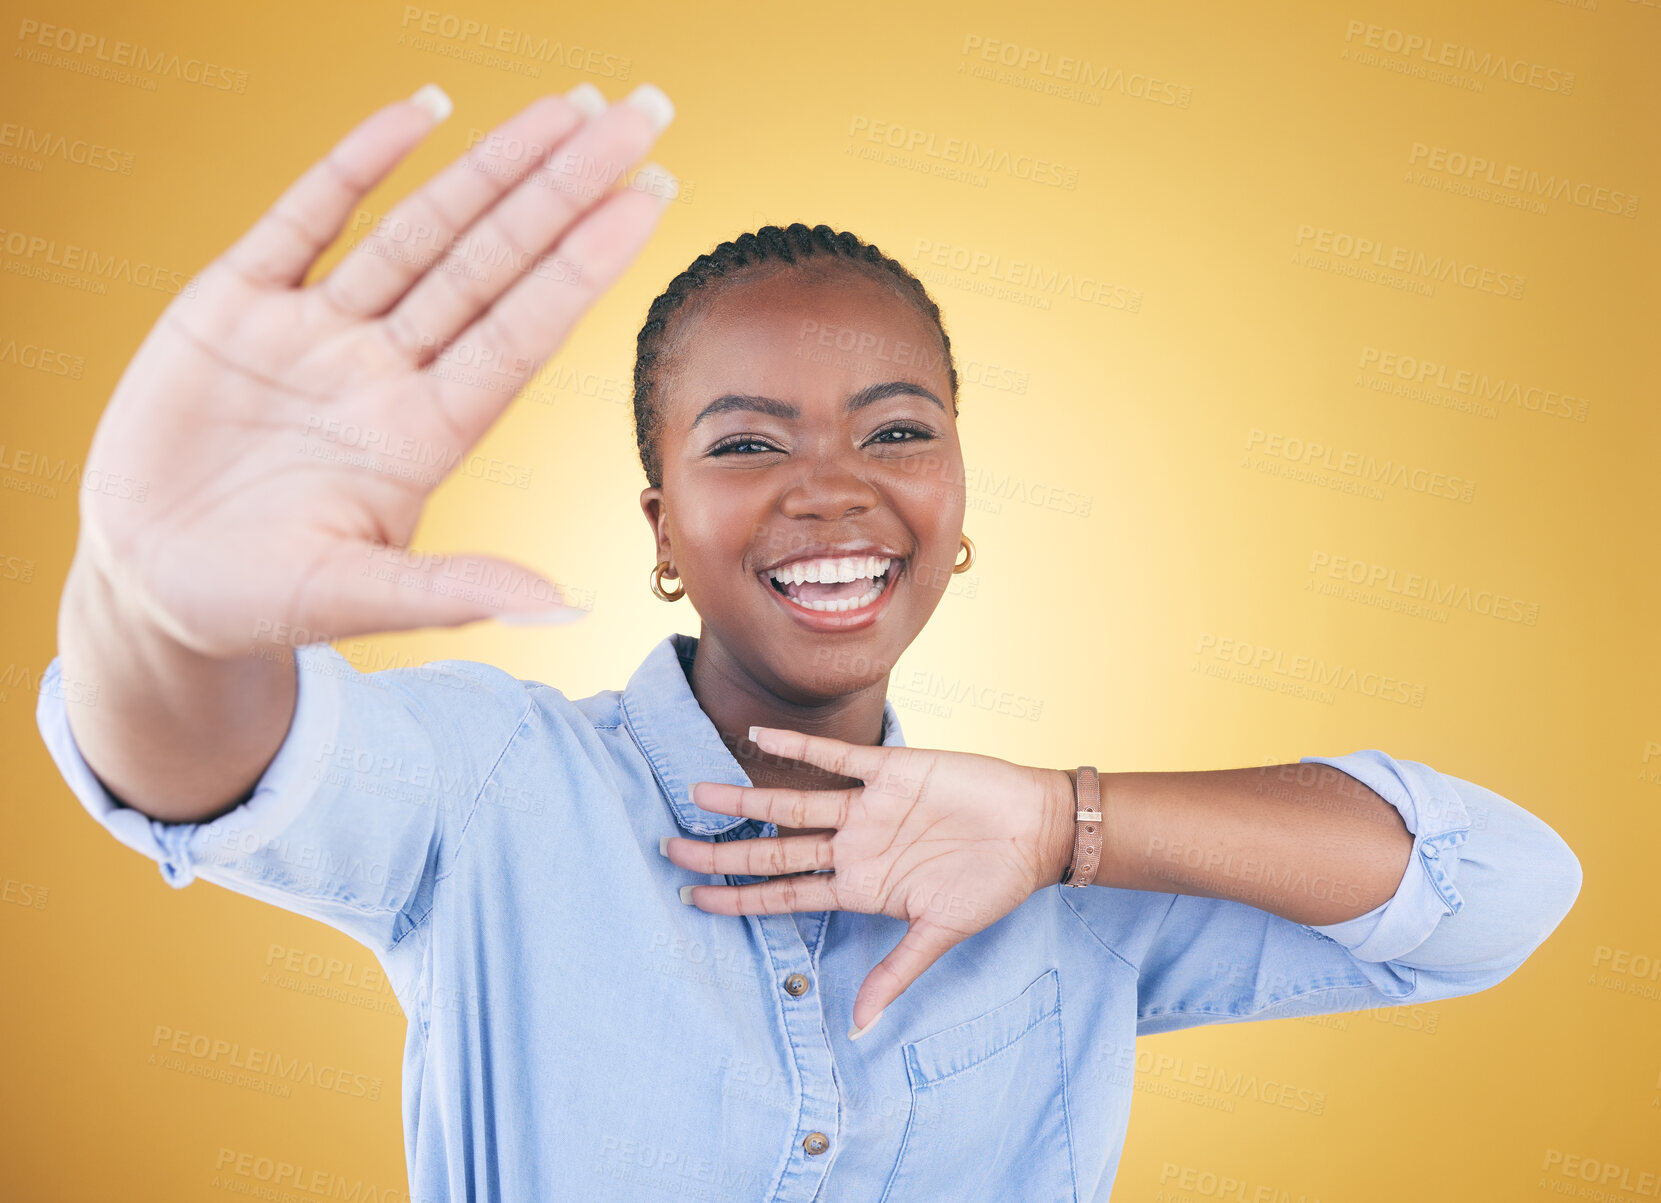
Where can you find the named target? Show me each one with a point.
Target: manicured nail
(655, 103)
(588, 98)
(686, 895)
(753, 731)
(656, 180)
(856, 1033)
(556, 616)
(663, 845)
(432, 98)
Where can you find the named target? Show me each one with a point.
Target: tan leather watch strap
(1087, 830)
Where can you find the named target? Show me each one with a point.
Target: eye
(917, 433)
(732, 443)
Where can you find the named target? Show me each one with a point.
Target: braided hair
(788, 247)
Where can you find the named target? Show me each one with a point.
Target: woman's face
(766, 465)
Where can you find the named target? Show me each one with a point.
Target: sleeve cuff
(1428, 893)
(282, 793)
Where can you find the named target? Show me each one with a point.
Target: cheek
(711, 531)
(929, 494)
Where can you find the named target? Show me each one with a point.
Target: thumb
(373, 587)
(920, 947)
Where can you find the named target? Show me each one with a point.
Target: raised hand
(951, 842)
(287, 434)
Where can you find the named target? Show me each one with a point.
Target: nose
(828, 487)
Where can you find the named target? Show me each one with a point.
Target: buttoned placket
(682, 747)
(794, 961)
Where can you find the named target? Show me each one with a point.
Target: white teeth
(846, 568)
(824, 571)
(843, 603)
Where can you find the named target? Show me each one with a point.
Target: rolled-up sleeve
(360, 811)
(1487, 882)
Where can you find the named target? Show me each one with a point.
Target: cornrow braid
(787, 246)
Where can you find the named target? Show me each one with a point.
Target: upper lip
(833, 551)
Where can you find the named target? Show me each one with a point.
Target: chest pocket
(988, 1112)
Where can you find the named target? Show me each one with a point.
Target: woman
(575, 1032)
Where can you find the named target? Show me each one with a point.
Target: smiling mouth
(837, 585)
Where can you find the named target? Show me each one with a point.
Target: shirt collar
(681, 743)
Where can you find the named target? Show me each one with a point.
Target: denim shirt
(576, 1032)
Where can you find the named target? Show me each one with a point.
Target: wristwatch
(1087, 829)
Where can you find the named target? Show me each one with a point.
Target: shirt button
(1430, 851)
(816, 1143)
(795, 985)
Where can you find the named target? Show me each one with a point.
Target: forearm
(175, 734)
(1305, 842)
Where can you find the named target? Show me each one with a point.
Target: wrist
(1061, 810)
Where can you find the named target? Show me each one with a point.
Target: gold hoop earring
(968, 546)
(657, 584)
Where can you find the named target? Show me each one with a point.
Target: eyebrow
(790, 412)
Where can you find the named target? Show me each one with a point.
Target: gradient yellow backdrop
(1296, 339)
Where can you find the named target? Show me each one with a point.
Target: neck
(734, 701)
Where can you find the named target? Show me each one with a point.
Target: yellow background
(1108, 620)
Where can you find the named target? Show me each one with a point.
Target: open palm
(287, 435)
(950, 842)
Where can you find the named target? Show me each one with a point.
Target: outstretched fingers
(849, 760)
(281, 246)
(770, 856)
(778, 896)
(802, 809)
(487, 364)
(515, 236)
(419, 230)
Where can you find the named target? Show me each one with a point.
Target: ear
(651, 504)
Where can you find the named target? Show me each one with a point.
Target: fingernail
(557, 616)
(588, 98)
(432, 98)
(655, 103)
(753, 731)
(657, 180)
(856, 1033)
(686, 895)
(663, 845)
